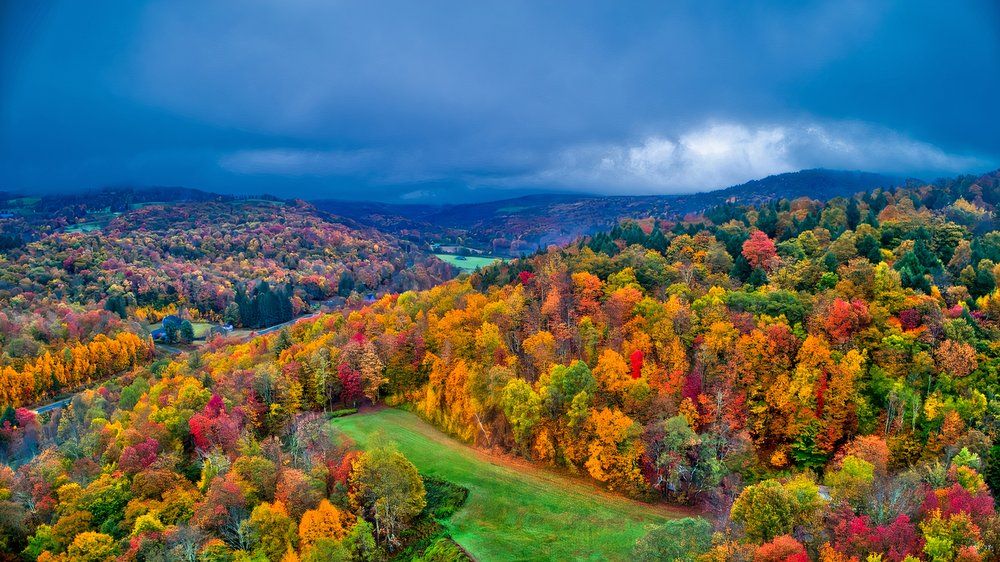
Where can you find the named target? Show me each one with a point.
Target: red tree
(213, 426)
(636, 362)
(856, 537)
(350, 380)
(781, 549)
(759, 250)
(139, 456)
(957, 499)
(845, 318)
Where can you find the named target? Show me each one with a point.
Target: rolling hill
(523, 224)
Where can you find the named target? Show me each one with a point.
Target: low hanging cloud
(712, 156)
(722, 154)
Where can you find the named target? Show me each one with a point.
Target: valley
(685, 281)
(755, 378)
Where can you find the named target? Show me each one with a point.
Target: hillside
(575, 518)
(819, 378)
(524, 224)
(211, 261)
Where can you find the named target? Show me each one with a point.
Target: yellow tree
(615, 450)
(371, 372)
(612, 372)
(324, 522)
(541, 348)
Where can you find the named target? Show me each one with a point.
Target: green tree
(272, 529)
(765, 510)
(677, 540)
(326, 550)
(360, 542)
(523, 408)
(41, 541)
(171, 333)
(852, 483)
(186, 334)
(387, 487)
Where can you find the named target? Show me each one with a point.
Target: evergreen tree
(768, 221)
(757, 278)
(853, 214)
(869, 247)
(171, 332)
(925, 256)
(830, 262)
(741, 269)
(912, 273)
(985, 282)
(8, 416)
(346, 284)
(656, 241)
(118, 305)
(186, 332)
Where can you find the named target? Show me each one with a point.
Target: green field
(470, 263)
(95, 221)
(201, 329)
(515, 511)
(84, 227)
(23, 201)
(136, 206)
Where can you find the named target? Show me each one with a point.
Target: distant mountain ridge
(507, 227)
(538, 220)
(817, 183)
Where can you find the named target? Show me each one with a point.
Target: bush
(680, 539)
(443, 550)
(443, 497)
(425, 538)
(343, 412)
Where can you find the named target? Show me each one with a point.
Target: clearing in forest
(515, 511)
(467, 263)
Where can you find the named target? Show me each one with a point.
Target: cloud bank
(710, 156)
(721, 154)
(483, 99)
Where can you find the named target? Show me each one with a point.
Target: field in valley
(201, 329)
(515, 511)
(469, 263)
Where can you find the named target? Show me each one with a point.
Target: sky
(459, 101)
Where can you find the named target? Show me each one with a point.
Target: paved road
(53, 406)
(276, 327)
(168, 348)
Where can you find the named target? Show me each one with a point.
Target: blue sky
(438, 101)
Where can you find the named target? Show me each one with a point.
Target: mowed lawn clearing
(201, 329)
(469, 263)
(515, 511)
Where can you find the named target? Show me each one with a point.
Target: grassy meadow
(201, 329)
(515, 511)
(470, 263)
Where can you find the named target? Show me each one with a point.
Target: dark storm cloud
(393, 99)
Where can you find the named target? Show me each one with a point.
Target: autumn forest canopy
(496, 281)
(782, 379)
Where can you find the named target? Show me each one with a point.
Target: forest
(246, 263)
(809, 380)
